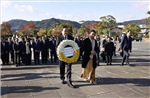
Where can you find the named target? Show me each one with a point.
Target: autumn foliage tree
(6, 29)
(28, 28)
(42, 32)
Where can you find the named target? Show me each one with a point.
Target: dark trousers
(53, 56)
(114, 51)
(125, 56)
(36, 57)
(5, 58)
(109, 58)
(22, 57)
(98, 56)
(28, 59)
(17, 59)
(62, 70)
(44, 56)
(103, 55)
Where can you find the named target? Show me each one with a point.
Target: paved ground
(42, 81)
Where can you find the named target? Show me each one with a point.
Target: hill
(17, 23)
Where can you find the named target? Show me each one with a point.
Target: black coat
(87, 48)
(109, 48)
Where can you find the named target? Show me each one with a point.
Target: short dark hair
(128, 31)
(64, 27)
(92, 31)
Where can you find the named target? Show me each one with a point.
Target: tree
(148, 12)
(58, 26)
(135, 29)
(42, 32)
(28, 28)
(83, 31)
(107, 22)
(49, 31)
(6, 29)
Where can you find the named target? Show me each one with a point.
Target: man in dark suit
(4, 51)
(44, 50)
(125, 46)
(79, 43)
(17, 48)
(36, 49)
(52, 46)
(62, 64)
(22, 44)
(109, 49)
(11, 50)
(103, 45)
(97, 38)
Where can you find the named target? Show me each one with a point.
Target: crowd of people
(19, 51)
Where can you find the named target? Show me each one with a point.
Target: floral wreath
(60, 51)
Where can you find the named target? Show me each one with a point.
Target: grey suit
(125, 46)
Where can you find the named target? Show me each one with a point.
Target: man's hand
(93, 52)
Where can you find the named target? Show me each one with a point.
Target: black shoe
(122, 65)
(110, 64)
(107, 64)
(70, 85)
(63, 81)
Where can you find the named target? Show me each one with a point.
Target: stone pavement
(113, 81)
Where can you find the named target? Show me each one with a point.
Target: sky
(37, 10)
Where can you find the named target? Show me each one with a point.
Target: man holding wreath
(65, 36)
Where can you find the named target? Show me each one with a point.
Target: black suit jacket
(79, 42)
(5, 48)
(22, 47)
(37, 46)
(52, 45)
(87, 48)
(17, 48)
(11, 44)
(44, 46)
(61, 38)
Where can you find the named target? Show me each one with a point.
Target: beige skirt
(89, 72)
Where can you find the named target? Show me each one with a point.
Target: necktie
(65, 37)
